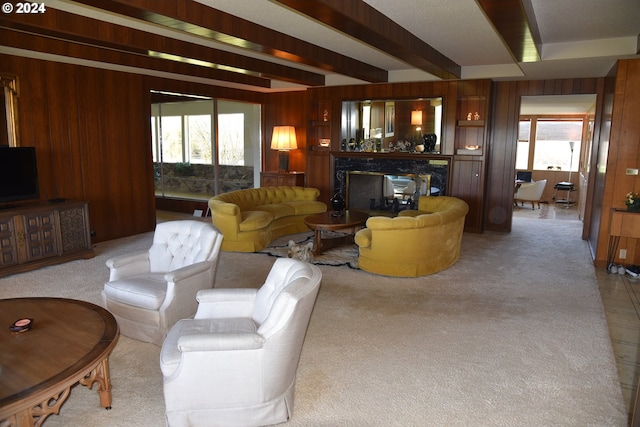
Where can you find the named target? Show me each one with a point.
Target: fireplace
(367, 180)
(375, 191)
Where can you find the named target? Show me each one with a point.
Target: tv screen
(18, 174)
(523, 176)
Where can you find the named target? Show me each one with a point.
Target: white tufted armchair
(149, 291)
(235, 363)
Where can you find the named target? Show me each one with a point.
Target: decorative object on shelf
(633, 202)
(368, 146)
(337, 204)
(325, 116)
(469, 116)
(430, 141)
(325, 142)
(476, 116)
(472, 147)
(284, 140)
(389, 118)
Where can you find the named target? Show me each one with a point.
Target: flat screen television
(524, 176)
(18, 174)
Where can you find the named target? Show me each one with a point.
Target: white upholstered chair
(530, 192)
(149, 291)
(235, 363)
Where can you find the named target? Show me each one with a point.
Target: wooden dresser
(277, 179)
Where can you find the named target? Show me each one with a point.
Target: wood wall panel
(285, 109)
(91, 130)
(88, 129)
(623, 152)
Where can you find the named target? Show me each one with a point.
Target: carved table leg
(100, 374)
(35, 416)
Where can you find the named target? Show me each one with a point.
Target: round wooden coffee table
(349, 222)
(69, 343)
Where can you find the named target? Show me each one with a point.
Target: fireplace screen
(383, 192)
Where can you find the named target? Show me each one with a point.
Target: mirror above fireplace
(405, 125)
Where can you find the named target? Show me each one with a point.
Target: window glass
(194, 161)
(557, 145)
(231, 139)
(171, 142)
(522, 146)
(199, 139)
(522, 155)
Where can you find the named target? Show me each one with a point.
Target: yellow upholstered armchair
(415, 243)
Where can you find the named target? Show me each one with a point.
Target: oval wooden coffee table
(70, 342)
(349, 222)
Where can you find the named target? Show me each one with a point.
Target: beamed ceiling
(276, 45)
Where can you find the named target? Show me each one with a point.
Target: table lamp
(284, 140)
(416, 120)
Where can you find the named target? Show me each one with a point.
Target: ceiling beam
(79, 29)
(44, 44)
(198, 19)
(361, 21)
(516, 25)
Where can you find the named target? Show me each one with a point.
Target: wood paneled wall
(285, 109)
(91, 130)
(85, 124)
(622, 105)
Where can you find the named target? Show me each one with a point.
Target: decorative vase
(337, 203)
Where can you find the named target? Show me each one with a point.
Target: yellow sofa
(415, 243)
(250, 219)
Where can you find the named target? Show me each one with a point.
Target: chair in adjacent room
(235, 363)
(530, 192)
(148, 292)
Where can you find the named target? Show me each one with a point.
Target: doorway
(554, 144)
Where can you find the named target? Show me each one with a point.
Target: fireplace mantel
(436, 165)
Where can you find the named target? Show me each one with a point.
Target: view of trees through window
(202, 147)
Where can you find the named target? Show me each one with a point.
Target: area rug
(346, 255)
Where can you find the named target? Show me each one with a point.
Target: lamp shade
(416, 117)
(284, 138)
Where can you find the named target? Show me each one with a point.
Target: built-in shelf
(465, 152)
(472, 123)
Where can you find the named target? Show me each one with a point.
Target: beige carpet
(514, 334)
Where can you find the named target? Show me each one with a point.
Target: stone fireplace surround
(437, 166)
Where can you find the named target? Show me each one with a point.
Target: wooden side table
(623, 224)
(350, 221)
(277, 179)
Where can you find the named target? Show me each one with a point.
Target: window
(522, 147)
(556, 146)
(203, 147)
(231, 137)
(549, 144)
